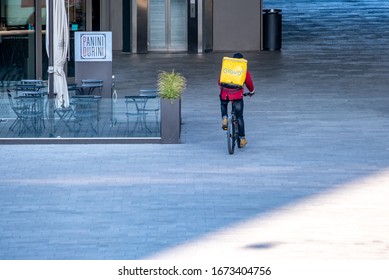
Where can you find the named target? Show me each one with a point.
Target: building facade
(138, 26)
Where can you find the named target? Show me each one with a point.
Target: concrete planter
(170, 121)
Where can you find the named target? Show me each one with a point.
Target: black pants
(238, 112)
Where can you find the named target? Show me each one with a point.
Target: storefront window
(76, 14)
(17, 40)
(93, 109)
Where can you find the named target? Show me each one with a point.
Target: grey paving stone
(319, 120)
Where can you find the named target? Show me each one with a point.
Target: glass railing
(32, 114)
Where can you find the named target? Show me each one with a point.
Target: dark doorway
(95, 15)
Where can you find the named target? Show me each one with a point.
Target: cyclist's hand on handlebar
(250, 93)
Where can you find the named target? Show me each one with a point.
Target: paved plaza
(312, 183)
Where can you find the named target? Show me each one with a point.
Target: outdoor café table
(88, 87)
(135, 108)
(29, 87)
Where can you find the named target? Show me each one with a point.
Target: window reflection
(76, 14)
(19, 14)
(17, 37)
(77, 22)
(17, 40)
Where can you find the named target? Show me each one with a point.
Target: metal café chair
(32, 87)
(29, 113)
(153, 103)
(86, 110)
(65, 114)
(135, 109)
(18, 109)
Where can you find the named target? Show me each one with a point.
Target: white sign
(93, 46)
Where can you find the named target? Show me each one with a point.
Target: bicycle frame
(232, 130)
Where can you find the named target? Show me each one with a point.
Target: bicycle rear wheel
(230, 136)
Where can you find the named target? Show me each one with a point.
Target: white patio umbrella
(60, 43)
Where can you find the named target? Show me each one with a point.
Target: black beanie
(238, 55)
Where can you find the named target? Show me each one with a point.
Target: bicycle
(233, 128)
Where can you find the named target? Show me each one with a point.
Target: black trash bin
(272, 29)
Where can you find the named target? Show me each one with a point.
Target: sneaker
(225, 124)
(242, 142)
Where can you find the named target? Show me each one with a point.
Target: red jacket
(233, 94)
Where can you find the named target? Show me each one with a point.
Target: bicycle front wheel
(230, 136)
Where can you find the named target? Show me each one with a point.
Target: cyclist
(236, 94)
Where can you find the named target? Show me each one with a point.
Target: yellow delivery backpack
(233, 73)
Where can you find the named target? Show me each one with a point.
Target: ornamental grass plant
(171, 85)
